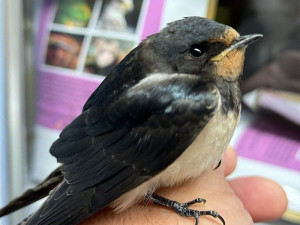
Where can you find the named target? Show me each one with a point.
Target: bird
(172, 103)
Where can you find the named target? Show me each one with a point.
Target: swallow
(172, 103)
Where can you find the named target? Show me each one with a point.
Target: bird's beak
(240, 42)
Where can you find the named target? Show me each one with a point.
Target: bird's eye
(197, 50)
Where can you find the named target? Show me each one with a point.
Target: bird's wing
(143, 131)
(108, 151)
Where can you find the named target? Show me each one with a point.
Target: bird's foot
(182, 208)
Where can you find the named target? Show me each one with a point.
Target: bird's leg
(219, 164)
(182, 208)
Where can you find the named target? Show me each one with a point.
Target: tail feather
(63, 209)
(33, 194)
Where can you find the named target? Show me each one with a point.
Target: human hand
(240, 201)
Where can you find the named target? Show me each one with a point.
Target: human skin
(240, 201)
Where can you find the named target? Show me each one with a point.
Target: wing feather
(109, 150)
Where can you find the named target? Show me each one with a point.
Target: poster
(78, 44)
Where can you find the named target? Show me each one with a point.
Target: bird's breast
(204, 153)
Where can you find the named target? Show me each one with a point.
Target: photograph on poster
(120, 15)
(104, 54)
(63, 50)
(74, 13)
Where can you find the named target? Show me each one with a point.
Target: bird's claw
(183, 208)
(197, 200)
(218, 165)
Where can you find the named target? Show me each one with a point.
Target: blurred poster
(78, 43)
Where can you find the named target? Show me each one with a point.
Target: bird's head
(196, 45)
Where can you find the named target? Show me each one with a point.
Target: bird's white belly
(204, 153)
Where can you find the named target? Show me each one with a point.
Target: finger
(264, 199)
(229, 159)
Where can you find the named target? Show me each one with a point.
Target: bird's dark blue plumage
(137, 135)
